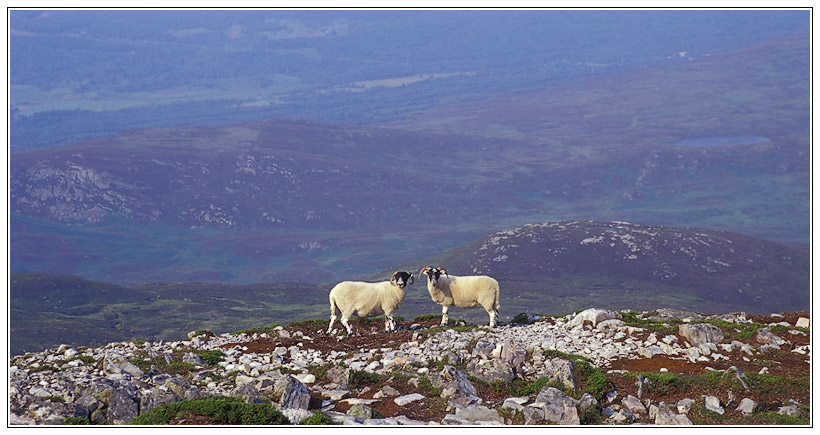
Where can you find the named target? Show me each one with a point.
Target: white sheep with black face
(462, 292)
(366, 299)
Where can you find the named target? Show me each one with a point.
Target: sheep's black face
(433, 274)
(403, 279)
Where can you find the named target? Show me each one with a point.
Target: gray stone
(248, 393)
(404, 421)
(295, 415)
(455, 386)
(802, 323)
(119, 364)
(389, 391)
(667, 418)
(491, 369)
(633, 405)
(156, 397)
(739, 375)
(193, 358)
(559, 370)
(360, 412)
(792, 410)
(685, 405)
(713, 404)
(478, 413)
(587, 403)
(407, 398)
(747, 406)
(483, 349)
(623, 416)
(700, 333)
(122, 406)
(641, 383)
(650, 351)
(766, 337)
(534, 414)
(593, 316)
(183, 388)
(453, 420)
(515, 403)
(293, 393)
(88, 402)
(557, 406)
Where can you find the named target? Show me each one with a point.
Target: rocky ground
(592, 367)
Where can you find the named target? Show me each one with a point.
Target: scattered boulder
(747, 406)
(594, 316)
(360, 412)
(633, 405)
(553, 405)
(792, 410)
(455, 386)
(122, 406)
(699, 333)
(479, 413)
(291, 393)
(561, 371)
(765, 336)
(713, 404)
(685, 405)
(407, 398)
(494, 369)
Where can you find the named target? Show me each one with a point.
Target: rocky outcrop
(117, 382)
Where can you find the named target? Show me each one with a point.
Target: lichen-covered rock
(491, 369)
(291, 393)
(594, 316)
(455, 386)
(747, 406)
(633, 405)
(479, 413)
(557, 407)
(559, 370)
(122, 406)
(713, 404)
(699, 333)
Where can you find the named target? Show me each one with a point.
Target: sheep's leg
(332, 319)
(444, 318)
(389, 323)
(347, 326)
(493, 315)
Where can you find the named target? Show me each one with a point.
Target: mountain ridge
(543, 268)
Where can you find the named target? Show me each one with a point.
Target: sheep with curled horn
(366, 299)
(462, 292)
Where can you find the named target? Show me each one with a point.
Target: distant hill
(562, 266)
(719, 142)
(545, 268)
(47, 310)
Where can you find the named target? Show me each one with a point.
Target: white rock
(802, 323)
(407, 398)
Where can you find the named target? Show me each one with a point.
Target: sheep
(462, 292)
(369, 299)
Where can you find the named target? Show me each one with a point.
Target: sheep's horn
(411, 278)
(443, 271)
(393, 278)
(425, 269)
